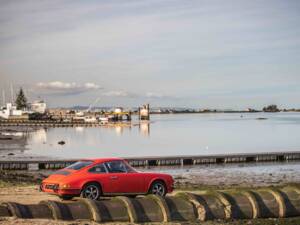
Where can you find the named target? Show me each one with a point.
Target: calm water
(180, 134)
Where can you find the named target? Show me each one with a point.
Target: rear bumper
(61, 192)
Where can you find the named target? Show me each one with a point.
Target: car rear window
(79, 165)
(100, 168)
(62, 172)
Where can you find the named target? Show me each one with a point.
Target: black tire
(158, 188)
(66, 198)
(91, 191)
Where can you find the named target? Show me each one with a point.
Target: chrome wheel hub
(158, 189)
(91, 192)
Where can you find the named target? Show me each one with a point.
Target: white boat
(106, 118)
(90, 119)
(103, 119)
(16, 134)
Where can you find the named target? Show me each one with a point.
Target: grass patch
(21, 179)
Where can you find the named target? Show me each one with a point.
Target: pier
(160, 161)
(56, 123)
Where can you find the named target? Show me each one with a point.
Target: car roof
(101, 160)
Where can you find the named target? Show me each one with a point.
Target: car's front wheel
(158, 188)
(91, 191)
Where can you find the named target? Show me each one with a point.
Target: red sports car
(105, 177)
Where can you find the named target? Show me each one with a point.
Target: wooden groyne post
(144, 112)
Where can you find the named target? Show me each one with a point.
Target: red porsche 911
(105, 177)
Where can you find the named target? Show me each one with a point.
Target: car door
(99, 173)
(122, 180)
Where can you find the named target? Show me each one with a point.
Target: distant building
(11, 112)
(38, 107)
(145, 112)
(118, 110)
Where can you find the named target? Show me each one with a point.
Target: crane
(91, 105)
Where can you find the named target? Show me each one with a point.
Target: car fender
(156, 178)
(84, 182)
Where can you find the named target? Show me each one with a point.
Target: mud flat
(234, 175)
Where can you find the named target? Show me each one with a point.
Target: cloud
(192, 50)
(154, 95)
(116, 94)
(65, 88)
(119, 94)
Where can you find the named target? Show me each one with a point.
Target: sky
(231, 54)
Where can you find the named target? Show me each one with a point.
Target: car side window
(100, 168)
(129, 168)
(116, 167)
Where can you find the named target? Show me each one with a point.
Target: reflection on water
(79, 129)
(144, 128)
(176, 134)
(13, 140)
(119, 130)
(38, 136)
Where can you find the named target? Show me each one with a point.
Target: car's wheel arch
(91, 182)
(156, 179)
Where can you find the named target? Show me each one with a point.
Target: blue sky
(196, 53)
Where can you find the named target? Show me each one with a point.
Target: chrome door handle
(114, 177)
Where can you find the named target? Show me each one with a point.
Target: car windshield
(79, 165)
(129, 168)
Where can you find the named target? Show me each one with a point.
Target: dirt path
(24, 194)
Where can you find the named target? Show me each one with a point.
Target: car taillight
(65, 186)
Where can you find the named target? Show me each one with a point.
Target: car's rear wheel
(158, 188)
(91, 191)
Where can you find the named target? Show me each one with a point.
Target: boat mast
(12, 93)
(3, 97)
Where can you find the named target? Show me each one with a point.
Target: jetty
(159, 161)
(56, 123)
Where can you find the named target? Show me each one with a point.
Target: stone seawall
(184, 206)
